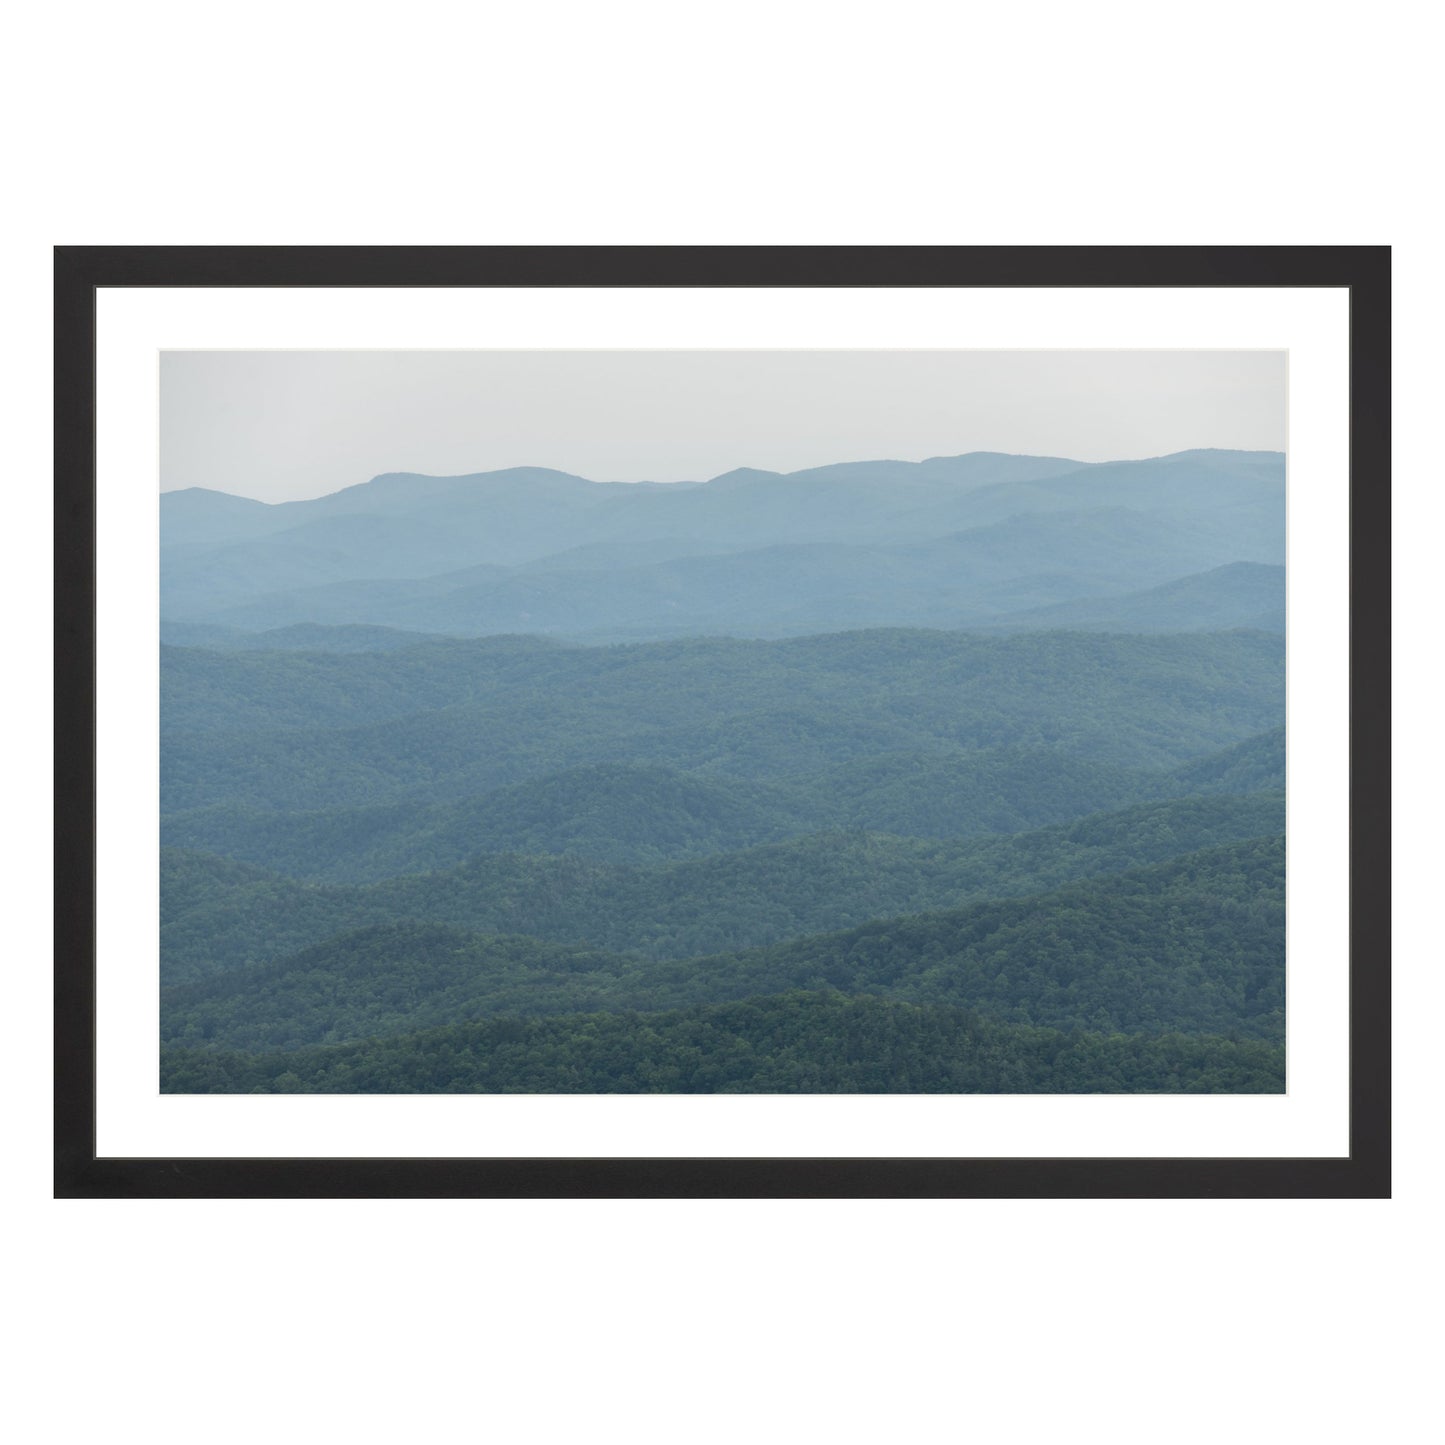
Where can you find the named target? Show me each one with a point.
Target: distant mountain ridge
(186, 510)
(1240, 594)
(945, 542)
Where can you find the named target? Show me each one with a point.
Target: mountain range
(949, 542)
(962, 775)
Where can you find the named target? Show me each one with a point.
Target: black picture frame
(80, 270)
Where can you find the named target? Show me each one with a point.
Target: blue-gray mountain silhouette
(949, 542)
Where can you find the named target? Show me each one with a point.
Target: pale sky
(279, 425)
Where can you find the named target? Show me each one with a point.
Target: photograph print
(780, 722)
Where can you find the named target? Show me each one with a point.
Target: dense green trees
(289, 731)
(1255, 763)
(791, 1043)
(1192, 945)
(217, 914)
(624, 813)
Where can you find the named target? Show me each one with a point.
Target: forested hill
(481, 716)
(923, 673)
(788, 1044)
(218, 914)
(1082, 957)
(637, 813)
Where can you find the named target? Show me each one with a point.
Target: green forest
(789, 1043)
(1037, 851)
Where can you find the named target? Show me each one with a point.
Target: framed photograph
(722, 722)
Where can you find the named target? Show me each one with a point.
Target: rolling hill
(436, 723)
(1086, 956)
(796, 1043)
(217, 913)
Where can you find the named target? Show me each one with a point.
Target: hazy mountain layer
(1243, 594)
(961, 579)
(301, 637)
(1238, 595)
(573, 511)
(947, 543)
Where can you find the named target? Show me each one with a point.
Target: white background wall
(778, 122)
